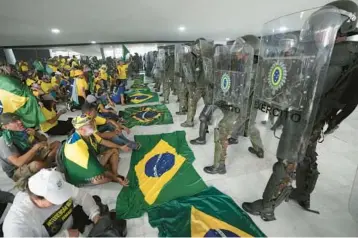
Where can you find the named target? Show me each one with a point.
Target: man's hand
(31, 131)
(127, 130)
(62, 111)
(96, 219)
(73, 233)
(123, 181)
(125, 148)
(41, 145)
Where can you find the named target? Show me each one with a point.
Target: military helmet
(254, 41)
(348, 9)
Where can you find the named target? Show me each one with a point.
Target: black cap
(8, 117)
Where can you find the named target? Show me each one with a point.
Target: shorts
(25, 171)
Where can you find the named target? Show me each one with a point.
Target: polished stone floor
(247, 177)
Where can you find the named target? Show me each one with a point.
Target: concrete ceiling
(29, 22)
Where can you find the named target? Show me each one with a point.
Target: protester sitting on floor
(104, 109)
(23, 151)
(47, 207)
(109, 129)
(53, 126)
(86, 159)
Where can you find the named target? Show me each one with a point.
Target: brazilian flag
(159, 172)
(16, 97)
(142, 96)
(147, 115)
(209, 213)
(80, 159)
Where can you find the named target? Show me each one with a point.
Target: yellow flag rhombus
(156, 169)
(205, 225)
(11, 102)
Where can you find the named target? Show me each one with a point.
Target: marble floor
(247, 177)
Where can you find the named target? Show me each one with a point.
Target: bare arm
(110, 144)
(27, 157)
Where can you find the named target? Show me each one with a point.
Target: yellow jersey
(103, 74)
(24, 67)
(46, 87)
(122, 71)
(45, 126)
(81, 84)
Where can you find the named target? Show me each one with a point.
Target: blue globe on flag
(220, 233)
(159, 164)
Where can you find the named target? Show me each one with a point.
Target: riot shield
(290, 79)
(353, 200)
(160, 62)
(206, 54)
(232, 76)
(178, 57)
(187, 65)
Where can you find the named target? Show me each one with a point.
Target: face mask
(88, 131)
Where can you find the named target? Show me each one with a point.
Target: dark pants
(81, 101)
(61, 129)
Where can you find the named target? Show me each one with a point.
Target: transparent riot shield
(207, 53)
(187, 66)
(232, 77)
(294, 56)
(353, 200)
(178, 57)
(160, 62)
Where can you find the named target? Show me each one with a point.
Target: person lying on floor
(89, 159)
(104, 109)
(109, 129)
(53, 126)
(23, 151)
(46, 208)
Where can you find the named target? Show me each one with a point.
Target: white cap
(50, 185)
(58, 73)
(91, 99)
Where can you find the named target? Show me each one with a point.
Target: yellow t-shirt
(54, 68)
(45, 126)
(30, 81)
(72, 73)
(97, 83)
(122, 71)
(54, 81)
(46, 87)
(24, 67)
(103, 74)
(81, 83)
(100, 121)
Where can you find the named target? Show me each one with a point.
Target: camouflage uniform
(168, 78)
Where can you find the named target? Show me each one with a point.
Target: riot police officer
(306, 100)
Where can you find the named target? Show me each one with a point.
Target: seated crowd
(89, 155)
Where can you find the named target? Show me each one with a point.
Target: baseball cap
(91, 98)
(8, 117)
(81, 121)
(50, 185)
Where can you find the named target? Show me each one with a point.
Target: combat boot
(303, 201)
(256, 208)
(215, 169)
(165, 102)
(233, 141)
(198, 141)
(181, 112)
(259, 153)
(160, 95)
(187, 124)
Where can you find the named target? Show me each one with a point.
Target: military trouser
(183, 96)
(221, 133)
(195, 93)
(166, 87)
(174, 85)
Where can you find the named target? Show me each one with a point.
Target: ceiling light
(181, 28)
(93, 42)
(55, 31)
(227, 38)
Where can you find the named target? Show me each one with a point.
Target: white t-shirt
(25, 219)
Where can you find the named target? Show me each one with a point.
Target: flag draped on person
(159, 172)
(17, 98)
(209, 213)
(147, 115)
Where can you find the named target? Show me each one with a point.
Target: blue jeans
(119, 139)
(109, 115)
